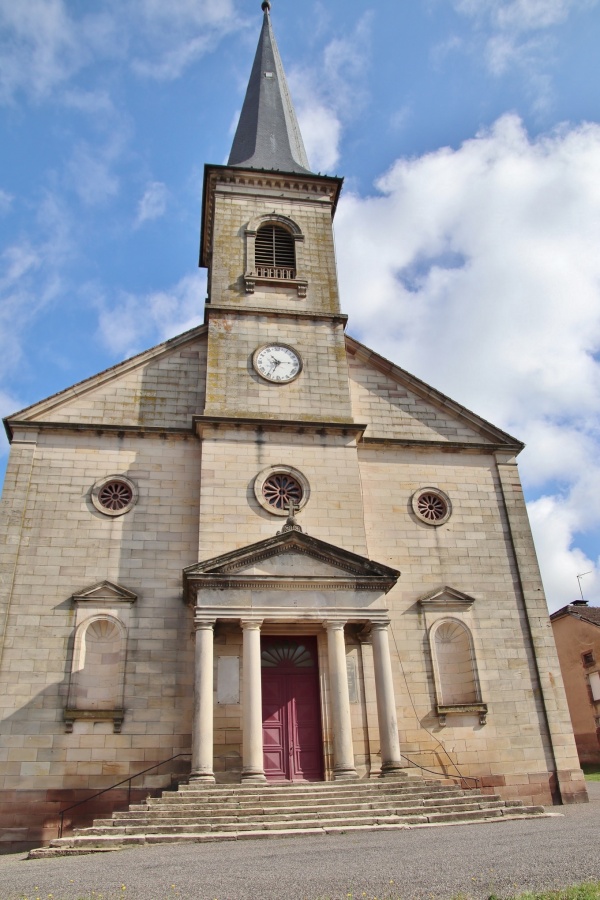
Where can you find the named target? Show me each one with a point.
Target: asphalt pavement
(500, 858)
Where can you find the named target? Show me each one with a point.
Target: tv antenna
(579, 577)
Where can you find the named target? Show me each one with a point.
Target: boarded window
(275, 252)
(455, 664)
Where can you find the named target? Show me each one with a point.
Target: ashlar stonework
(130, 638)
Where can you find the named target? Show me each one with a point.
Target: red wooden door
(292, 744)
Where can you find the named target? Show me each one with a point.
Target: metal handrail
(112, 788)
(444, 774)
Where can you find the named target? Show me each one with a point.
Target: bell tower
(277, 369)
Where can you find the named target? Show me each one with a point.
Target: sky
(468, 234)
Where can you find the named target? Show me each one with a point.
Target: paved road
(477, 860)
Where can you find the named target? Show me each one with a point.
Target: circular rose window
(114, 495)
(278, 486)
(432, 506)
(280, 490)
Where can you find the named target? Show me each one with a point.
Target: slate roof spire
(268, 135)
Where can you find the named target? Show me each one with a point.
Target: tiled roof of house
(581, 611)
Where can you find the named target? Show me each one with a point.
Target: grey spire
(268, 136)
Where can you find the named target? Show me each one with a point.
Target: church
(263, 551)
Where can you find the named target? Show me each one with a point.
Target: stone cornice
(297, 425)
(288, 583)
(459, 446)
(232, 309)
(275, 615)
(101, 428)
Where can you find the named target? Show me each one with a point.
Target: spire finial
(266, 6)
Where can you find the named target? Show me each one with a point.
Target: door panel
(292, 743)
(274, 728)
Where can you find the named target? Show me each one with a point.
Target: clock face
(277, 362)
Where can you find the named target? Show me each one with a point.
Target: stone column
(203, 724)
(252, 742)
(343, 750)
(386, 702)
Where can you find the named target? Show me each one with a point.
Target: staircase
(196, 814)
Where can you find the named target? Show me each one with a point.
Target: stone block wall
(59, 545)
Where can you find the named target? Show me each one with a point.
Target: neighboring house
(263, 543)
(577, 634)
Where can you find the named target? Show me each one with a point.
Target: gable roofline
(427, 392)
(225, 570)
(578, 610)
(81, 388)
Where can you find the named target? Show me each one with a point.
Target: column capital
(204, 624)
(334, 626)
(251, 624)
(382, 625)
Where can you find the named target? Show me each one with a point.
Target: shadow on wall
(29, 817)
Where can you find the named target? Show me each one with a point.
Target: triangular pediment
(447, 598)
(105, 591)
(136, 393)
(398, 406)
(292, 557)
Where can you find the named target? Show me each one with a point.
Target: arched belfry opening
(275, 252)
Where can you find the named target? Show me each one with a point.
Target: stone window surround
(451, 605)
(437, 492)
(449, 709)
(101, 483)
(117, 713)
(109, 601)
(262, 476)
(251, 279)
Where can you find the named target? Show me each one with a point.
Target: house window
(275, 253)
(588, 658)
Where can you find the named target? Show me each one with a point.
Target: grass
(592, 773)
(588, 890)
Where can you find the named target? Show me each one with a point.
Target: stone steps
(194, 814)
(150, 818)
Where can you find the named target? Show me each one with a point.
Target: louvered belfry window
(275, 253)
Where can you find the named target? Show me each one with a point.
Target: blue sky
(467, 237)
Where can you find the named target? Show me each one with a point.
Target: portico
(298, 586)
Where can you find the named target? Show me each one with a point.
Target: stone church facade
(264, 545)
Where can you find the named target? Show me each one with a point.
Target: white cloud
(522, 15)
(487, 285)
(39, 47)
(8, 404)
(6, 201)
(173, 36)
(153, 204)
(519, 35)
(134, 321)
(30, 281)
(330, 93)
(45, 44)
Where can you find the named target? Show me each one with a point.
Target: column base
(202, 778)
(345, 775)
(253, 778)
(393, 770)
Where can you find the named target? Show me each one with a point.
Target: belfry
(262, 549)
